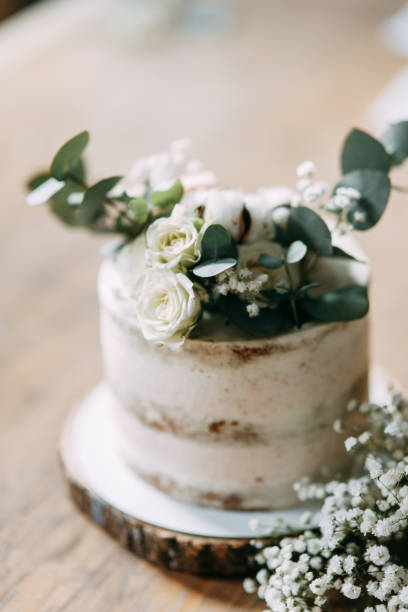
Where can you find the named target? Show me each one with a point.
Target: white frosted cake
(233, 324)
(230, 421)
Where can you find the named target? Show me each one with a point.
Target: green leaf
(276, 297)
(395, 141)
(302, 291)
(93, 203)
(269, 322)
(375, 188)
(64, 212)
(140, 210)
(45, 191)
(360, 150)
(68, 157)
(37, 180)
(344, 304)
(168, 198)
(341, 254)
(307, 226)
(269, 261)
(212, 268)
(78, 171)
(296, 252)
(217, 244)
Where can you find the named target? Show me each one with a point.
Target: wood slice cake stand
(170, 533)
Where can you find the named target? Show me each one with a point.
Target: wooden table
(282, 85)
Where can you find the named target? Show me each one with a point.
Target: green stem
(399, 188)
(292, 297)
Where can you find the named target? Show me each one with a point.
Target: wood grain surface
(284, 83)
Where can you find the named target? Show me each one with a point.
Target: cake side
(230, 423)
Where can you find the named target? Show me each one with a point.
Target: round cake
(234, 324)
(231, 421)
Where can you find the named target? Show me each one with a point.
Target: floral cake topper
(252, 257)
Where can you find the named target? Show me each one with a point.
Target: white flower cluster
(311, 192)
(250, 278)
(159, 172)
(357, 553)
(314, 194)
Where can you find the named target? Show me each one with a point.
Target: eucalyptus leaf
(37, 180)
(75, 198)
(344, 304)
(93, 203)
(269, 322)
(140, 210)
(342, 254)
(375, 188)
(395, 141)
(212, 268)
(68, 156)
(361, 150)
(217, 244)
(78, 171)
(44, 192)
(296, 252)
(169, 197)
(269, 261)
(307, 226)
(276, 297)
(64, 212)
(302, 291)
(61, 206)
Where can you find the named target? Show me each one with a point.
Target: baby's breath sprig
(357, 553)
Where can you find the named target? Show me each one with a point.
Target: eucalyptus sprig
(91, 206)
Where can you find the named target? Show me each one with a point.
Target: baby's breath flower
(306, 169)
(249, 585)
(350, 590)
(379, 555)
(359, 216)
(358, 515)
(350, 443)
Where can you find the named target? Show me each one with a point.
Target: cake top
(267, 262)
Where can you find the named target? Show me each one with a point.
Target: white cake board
(114, 497)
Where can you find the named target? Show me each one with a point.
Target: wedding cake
(234, 325)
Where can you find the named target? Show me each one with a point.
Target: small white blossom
(350, 443)
(349, 192)
(320, 585)
(306, 169)
(364, 437)
(350, 590)
(379, 555)
(253, 309)
(249, 585)
(359, 216)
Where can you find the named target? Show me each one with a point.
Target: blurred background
(259, 85)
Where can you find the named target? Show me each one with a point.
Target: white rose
(225, 207)
(173, 241)
(167, 307)
(248, 256)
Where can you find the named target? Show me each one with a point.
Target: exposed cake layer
(230, 422)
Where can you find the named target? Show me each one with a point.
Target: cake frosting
(231, 421)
